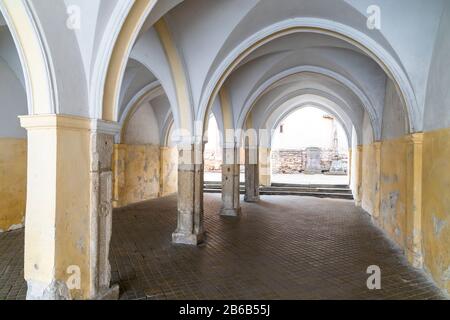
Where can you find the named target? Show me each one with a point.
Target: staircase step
(320, 191)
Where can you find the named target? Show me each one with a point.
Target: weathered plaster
(369, 178)
(65, 195)
(13, 183)
(436, 206)
(190, 227)
(265, 170)
(169, 171)
(143, 172)
(393, 189)
(230, 182)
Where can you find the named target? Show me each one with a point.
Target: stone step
(292, 189)
(321, 191)
(348, 196)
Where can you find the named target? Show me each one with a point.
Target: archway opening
(213, 152)
(310, 147)
(145, 157)
(13, 138)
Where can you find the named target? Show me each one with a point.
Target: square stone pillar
(119, 155)
(414, 199)
(265, 170)
(251, 175)
(358, 158)
(349, 165)
(69, 207)
(230, 182)
(190, 228)
(377, 195)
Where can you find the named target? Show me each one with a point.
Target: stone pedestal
(338, 168)
(313, 161)
(190, 196)
(251, 175)
(69, 207)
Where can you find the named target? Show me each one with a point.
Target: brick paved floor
(281, 248)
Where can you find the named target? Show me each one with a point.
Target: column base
(56, 290)
(188, 238)
(109, 294)
(415, 259)
(251, 198)
(230, 212)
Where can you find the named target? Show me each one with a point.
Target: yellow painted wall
(169, 171)
(369, 179)
(143, 172)
(396, 198)
(436, 206)
(393, 192)
(71, 207)
(265, 170)
(13, 182)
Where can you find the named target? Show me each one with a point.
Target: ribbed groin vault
(105, 104)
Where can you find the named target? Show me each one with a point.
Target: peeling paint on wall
(436, 206)
(144, 172)
(13, 183)
(438, 225)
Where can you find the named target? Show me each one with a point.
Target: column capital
(416, 138)
(105, 127)
(54, 121)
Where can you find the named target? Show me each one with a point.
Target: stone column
(119, 155)
(102, 143)
(251, 175)
(169, 173)
(377, 196)
(349, 165)
(414, 199)
(69, 207)
(230, 182)
(264, 167)
(190, 228)
(358, 156)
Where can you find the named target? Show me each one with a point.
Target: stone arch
(251, 100)
(321, 26)
(119, 50)
(126, 38)
(16, 95)
(147, 93)
(340, 108)
(34, 57)
(316, 105)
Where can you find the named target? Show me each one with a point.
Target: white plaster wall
(142, 127)
(149, 52)
(367, 131)
(9, 54)
(437, 109)
(353, 164)
(13, 102)
(13, 99)
(394, 117)
(136, 77)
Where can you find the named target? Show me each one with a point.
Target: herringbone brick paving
(280, 248)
